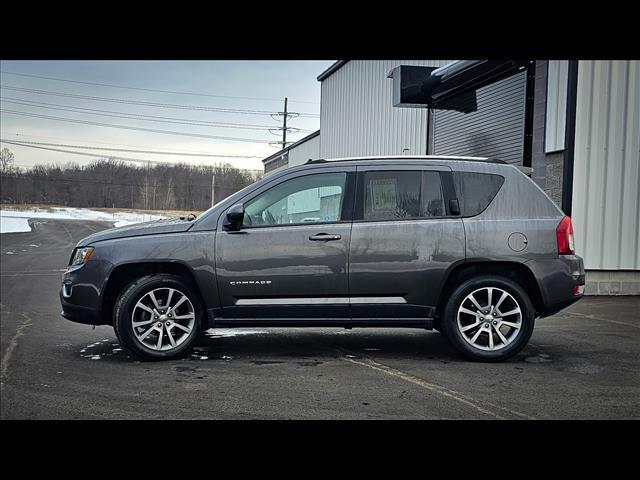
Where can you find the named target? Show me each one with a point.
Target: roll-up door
(496, 129)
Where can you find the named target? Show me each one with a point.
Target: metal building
(575, 124)
(307, 148)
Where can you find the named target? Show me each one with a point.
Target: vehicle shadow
(272, 346)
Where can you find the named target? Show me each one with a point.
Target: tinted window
(476, 190)
(391, 195)
(308, 199)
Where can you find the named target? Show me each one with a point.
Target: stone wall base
(612, 282)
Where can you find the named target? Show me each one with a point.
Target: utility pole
(213, 188)
(284, 125)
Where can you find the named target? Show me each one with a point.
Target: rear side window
(476, 190)
(395, 195)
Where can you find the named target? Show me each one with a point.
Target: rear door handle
(324, 237)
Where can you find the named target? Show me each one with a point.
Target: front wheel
(488, 318)
(158, 317)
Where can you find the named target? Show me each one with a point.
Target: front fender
(193, 250)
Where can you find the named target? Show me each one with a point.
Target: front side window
(314, 198)
(394, 195)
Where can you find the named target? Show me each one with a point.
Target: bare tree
(6, 161)
(109, 182)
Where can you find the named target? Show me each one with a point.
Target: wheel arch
(517, 272)
(125, 273)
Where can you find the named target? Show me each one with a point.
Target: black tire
(449, 321)
(123, 310)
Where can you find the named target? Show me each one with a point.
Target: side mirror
(235, 215)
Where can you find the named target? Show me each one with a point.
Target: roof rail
(408, 157)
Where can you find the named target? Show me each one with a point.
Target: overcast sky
(266, 82)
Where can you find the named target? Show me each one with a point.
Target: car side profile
(470, 247)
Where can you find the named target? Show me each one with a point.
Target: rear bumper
(561, 281)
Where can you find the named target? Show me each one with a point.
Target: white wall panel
(557, 77)
(606, 187)
(303, 152)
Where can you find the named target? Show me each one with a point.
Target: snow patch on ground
(231, 332)
(14, 219)
(99, 355)
(14, 225)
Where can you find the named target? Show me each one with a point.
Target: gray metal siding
(277, 164)
(495, 130)
(357, 117)
(305, 151)
(606, 182)
(557, 77)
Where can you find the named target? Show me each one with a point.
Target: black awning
(452, 87)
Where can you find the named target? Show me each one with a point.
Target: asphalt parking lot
(583, 363)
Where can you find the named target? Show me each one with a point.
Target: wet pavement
(583, 363)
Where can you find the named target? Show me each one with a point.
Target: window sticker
(383, 193)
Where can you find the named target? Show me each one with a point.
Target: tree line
(109, 183)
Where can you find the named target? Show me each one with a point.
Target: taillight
(564, 235)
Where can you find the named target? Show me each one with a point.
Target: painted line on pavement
(4, 363)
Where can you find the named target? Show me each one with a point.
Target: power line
(129, 127)
(151, 104)
(88, 154)
(120, 184)
(154, 152)
(91, 141)
(154, 89)
(135, 116)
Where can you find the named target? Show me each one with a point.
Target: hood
(167, 225)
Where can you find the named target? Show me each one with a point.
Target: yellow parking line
(593, 317)
(446, 392)
(29, 274)
(12, 345)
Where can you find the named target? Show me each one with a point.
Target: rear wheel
(488, 318)
(158, 317)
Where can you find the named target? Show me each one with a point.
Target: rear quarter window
(475, 191)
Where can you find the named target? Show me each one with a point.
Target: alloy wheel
(163, 319)
(489, 318)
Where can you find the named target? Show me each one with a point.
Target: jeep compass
(470, 247)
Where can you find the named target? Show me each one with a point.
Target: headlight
(81, 255)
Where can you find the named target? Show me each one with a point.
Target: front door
(290, 258)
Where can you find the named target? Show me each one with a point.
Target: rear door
(403, 241)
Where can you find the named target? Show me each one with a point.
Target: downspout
(570, 137)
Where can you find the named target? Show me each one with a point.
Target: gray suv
(470, 247)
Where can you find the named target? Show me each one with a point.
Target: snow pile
(10, 218)
(14, 225)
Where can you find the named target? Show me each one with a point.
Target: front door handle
(324, 237)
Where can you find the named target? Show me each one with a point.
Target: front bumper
(79, 313)
(81, 292)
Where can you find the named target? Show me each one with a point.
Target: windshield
(231, 198)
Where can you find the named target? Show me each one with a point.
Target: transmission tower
(285, 115)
